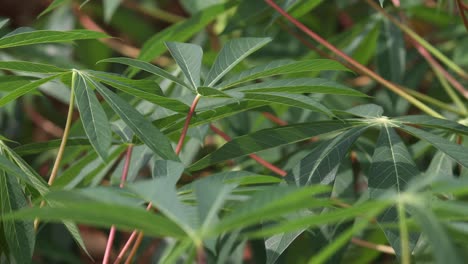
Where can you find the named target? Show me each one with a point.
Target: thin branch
(187, 123)
(66, 132)
(123, 179)
(156, 13)
(379, 247)
(361, 68)
(462, 7)
(135, 248)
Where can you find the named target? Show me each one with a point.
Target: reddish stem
(187, 123)
(462, 7)
(275, 119)
(110, 239)
(255, 157)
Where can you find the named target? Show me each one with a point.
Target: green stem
(450, 91)
(155, 12)
(66, 132)
(435, 102)
(404, 235)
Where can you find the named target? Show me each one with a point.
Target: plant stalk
(63, 144)
(404, 235)
(123, 179)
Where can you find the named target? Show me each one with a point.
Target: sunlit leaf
(188, 57)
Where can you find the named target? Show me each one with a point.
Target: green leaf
(26, 66)
(268, 138)
(169, 169)
(329, 217)
(148, 67)
(22, 170)
(320, 165)
(20, 235)
(457, 152)
(180, 32)
(38, 147)
(294, 100)
(301, 85)
(164, 197)
(271, 203)
(132, 87)
(277, 244)
(149, 134)
(233, 52)
(11, 168)
(52, 6)
(432, 122)
(213, 92)
(3, 22)
(47, 36)
(281, 67)
(22, 90)
(366, 111)
(10, 82)
(95, 122)
(443, 249)
(109, 8)
(392, 168)
(188, 57)
(210, 196)
(103, 215)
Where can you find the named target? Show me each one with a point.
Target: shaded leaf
(366, 111)
(433, 122)
(27, 66)
(38, 147)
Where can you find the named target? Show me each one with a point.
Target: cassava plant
(232, 152)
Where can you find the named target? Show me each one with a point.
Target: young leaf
(321, 165)
(148, 67)
(27, 66)
(20, 235)
(47, 36)
(20, 91)
(456, 152)
(130, 86)
(230, 55)
(268, 138)
(279, 67)
(3, 22)
(301, 85)
(149, 134)
(366, 111)
(52, 6)
(188, 57)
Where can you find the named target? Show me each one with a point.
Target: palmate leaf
(133, 87)
(27, 66)
(27, 88)
(392, 168)
(148, 67)
(268, 138)
(321, 165)
(47, 36)
(457, 152)
(300, 85)
(95, 122)
(366, 111)
(230, 55)
(149, 134)
(277, 244)
(279, 67)
(20, 235)
(189, 58)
